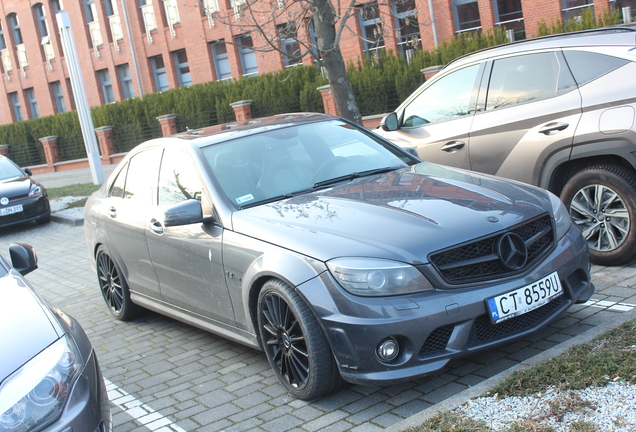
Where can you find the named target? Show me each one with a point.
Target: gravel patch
(58, 206)
(609, 408)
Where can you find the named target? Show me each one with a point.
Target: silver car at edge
(334, 251)
(557, 112)
(50, 379)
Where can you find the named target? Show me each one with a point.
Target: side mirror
(184, 213)
(390, 122)
(23, 258)
(28, 172)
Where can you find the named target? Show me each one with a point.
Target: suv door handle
(112, 212)
(552, 128)
(156, 227)
(452, 146)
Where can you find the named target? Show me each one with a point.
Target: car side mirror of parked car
(28, 172)
(23, 258)
(184, 213)
(390, 122)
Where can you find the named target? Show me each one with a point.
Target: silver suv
(556, 112)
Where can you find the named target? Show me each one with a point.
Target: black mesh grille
(437, 340)
(478, 260)
(485, 331)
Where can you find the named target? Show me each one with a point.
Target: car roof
(607, 36)
(224, 132)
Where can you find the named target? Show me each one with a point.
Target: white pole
(79, 91)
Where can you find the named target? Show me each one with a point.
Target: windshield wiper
(276, 198)
(354, 175)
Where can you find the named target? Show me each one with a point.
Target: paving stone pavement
(167, 376)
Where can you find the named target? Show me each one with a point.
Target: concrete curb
(72, 221)
(487, 385)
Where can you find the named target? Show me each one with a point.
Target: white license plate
(10, 210)
(524, 299)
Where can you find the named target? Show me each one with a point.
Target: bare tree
(301, 28)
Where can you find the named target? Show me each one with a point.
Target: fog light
(388, 350)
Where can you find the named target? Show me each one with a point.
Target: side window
(117, 188)
(446, 99)
(520, 79)
(587, 66)
(142, 175)
(178, 179)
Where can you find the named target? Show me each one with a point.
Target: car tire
(294, 343)
(114, 287)
(602, 202)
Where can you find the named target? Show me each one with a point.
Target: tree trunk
(334, 63)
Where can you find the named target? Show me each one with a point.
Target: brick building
(155, 45)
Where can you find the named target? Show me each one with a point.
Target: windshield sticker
(245, 198)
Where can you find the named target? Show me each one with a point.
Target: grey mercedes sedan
(340, 255)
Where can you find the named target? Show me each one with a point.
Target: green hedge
(379, 85)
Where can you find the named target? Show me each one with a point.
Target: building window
(289, 44)
(107, 86)
(14, 24)
(572, 8)
(60, 105)
(371, 26)
(91, 10)
(40, 17)
(17, 108)
(3, 44)
(509, 16)
(221, 60)
(56, 6)
(33, 103)
(408, 27)
(467, 15)
(183, 69)
(126, 81)
(248, 56)
(159, 72)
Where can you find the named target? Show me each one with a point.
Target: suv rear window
(587, 66)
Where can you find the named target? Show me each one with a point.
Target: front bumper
(435, 327)
(37, 208)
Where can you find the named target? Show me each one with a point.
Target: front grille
(485, 331)
(437, 340)
(478, 260)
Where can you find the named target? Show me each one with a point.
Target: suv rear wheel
(602, 202)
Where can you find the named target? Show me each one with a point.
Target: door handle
(553, 128)
(452, 146)
(112, 212)
(156, 227)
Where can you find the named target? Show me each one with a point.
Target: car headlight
(35, 190)
(562, 218)
(371, 277)
(35, 395)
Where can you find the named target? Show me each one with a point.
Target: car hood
(15, 187)
(26, 326)
(402, 215)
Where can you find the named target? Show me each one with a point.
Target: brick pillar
(168, 124)
(242, 110)
(4, 150)
(429, 72)
(106, 145)
(50, 151)
(327, 100)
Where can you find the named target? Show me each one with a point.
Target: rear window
(588, 66)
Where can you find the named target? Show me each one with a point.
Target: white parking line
(139, 411)
(613, 306)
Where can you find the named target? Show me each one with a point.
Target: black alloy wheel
(114, 287)
(294, 343)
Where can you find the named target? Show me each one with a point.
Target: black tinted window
(178, 179)
(117, 189)
(587, 66)
(524, 78)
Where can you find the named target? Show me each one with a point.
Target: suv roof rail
(617, 29)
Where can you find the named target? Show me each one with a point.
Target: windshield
(264, 166)
(9, 170)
